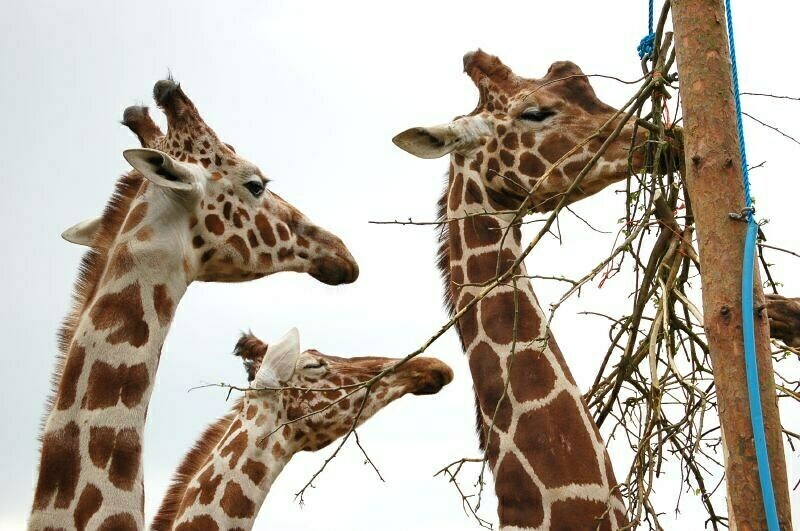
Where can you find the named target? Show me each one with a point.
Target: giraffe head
(232, 226)
(282, 364)
(519, 129)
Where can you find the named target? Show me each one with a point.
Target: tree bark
(714, 182)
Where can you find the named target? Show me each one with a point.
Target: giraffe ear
(428, 142)
(279, 361)
(82, 233)
(160, 169)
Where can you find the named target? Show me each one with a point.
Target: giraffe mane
(443, 255)
(191, 464)
(443, 263)
(90, 272)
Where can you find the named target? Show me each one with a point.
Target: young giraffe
(225, 477)
(549, 462)
(192, 210)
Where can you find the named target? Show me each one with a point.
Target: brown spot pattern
(123, 449)
(214, 224)
(481, 230)
(530, 165)
(579, 514)
(492, 169)
(208, 485)
(59, 468)
(554, 146)
(507, 157)
(486, 266)
(202, 522)
(163, 304)
(235, 448)
(118, 522)
(121, 262)
(107, 385)
(456, 192)
(511, 141)
(528, 139)
(240, 247)
(556, 442)
(69, 378)
(123, 312)
(520, 501)
(235, 503)
(454, 238)
(497, 317)
(254, 470)
(125, 458)
(484, 364)
(532, 377)
(467, 323)
(101, 442)
(574, 168)
(265, 230)
(88, 504)
(283, 232)
(474, 194)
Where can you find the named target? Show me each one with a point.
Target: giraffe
(784, 318)
(549, 462)
(192, 210)
(224, 479)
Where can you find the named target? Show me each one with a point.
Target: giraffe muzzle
(334, 270)
(431, 377)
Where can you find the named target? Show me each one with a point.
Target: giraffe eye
(255, 187)
(535, 114)
(318, 364)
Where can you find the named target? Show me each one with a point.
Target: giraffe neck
(548, 460)
(90, 472)
(224, 480)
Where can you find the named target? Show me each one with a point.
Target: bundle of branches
(654, 388)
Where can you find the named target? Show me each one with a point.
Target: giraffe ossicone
(193, 210)
(299, 401)
(521, 148)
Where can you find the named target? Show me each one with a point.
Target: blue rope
(748, 310)
(645, 47)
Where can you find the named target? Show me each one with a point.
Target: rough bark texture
(714, 181)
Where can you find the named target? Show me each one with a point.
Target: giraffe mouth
(334, 270)
(436, 379)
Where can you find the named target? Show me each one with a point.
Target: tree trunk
(714, 182)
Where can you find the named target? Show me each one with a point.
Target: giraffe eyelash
(534, 114)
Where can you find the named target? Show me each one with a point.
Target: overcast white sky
(313, 92)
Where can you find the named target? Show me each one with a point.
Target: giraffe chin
(334, 270)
